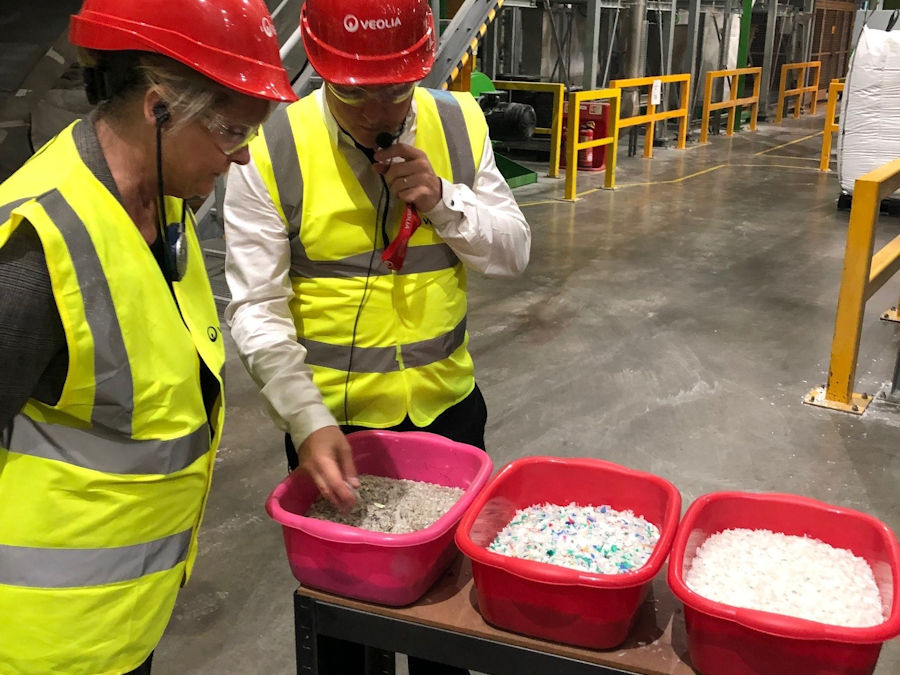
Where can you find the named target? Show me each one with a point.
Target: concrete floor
(672, 325)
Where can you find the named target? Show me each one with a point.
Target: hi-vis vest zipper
(409, 355)
(101, 495)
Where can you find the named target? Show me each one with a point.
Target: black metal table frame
(313, 617)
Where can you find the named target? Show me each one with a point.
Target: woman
(111, 401)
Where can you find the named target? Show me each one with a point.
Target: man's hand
(412, 179)
(326, 456)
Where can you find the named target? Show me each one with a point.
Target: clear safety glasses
(227, 136)
(358, 96)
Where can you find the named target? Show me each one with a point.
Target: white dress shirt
(483, 226)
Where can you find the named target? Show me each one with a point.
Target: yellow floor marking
(677, 180)
(784, 145)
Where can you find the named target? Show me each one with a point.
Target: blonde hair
(116, 78)
(183, 88)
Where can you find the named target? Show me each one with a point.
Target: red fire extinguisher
(586, 133)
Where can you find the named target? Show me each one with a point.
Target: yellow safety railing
(864, 273)
(831, 126)
(555, 130)
(651, 116)
(614, 96)
(733, 101)
(800, 90)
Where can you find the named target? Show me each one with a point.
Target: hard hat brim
(234, 71)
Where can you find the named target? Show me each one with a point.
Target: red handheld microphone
(394, 255)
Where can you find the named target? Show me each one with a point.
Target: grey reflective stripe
(7, 209)
(430, 258)
(428, 351)
(384, 359)
(365, 359)
(419, 259)
(286, 163)
(459, 147)
(78, 567)
(113, 384)
(107, 452)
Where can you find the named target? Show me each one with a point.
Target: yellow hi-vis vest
(101, 495)
(406, 352)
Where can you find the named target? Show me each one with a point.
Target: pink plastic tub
(727, 640)
(390, 569)
(549, 601)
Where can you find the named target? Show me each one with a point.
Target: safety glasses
(227, 136)
(358, 96)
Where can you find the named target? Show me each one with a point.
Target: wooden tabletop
(656, 644)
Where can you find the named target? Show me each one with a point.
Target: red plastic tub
(727, 640)
(389, 569)
(549, 601)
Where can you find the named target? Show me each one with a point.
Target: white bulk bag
(869, 134)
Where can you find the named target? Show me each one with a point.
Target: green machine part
(481, 84)
(515, 174)
(743, 51)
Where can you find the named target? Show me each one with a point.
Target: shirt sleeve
(32, 339)
(483, 225)
(257, 263)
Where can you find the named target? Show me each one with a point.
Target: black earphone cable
(169, 256)
(386, 200)
(161, 207)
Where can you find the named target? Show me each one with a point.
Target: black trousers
(144, 668)
(463, 423)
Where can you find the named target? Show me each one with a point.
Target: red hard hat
(230, 41)
(368, 41)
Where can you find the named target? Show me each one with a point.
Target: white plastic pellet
(799, 577)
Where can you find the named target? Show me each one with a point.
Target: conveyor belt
(460, 40)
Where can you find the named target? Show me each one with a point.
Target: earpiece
(161, 112)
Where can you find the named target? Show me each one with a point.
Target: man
(336, 339)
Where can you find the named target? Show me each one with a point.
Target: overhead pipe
(634, 66)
